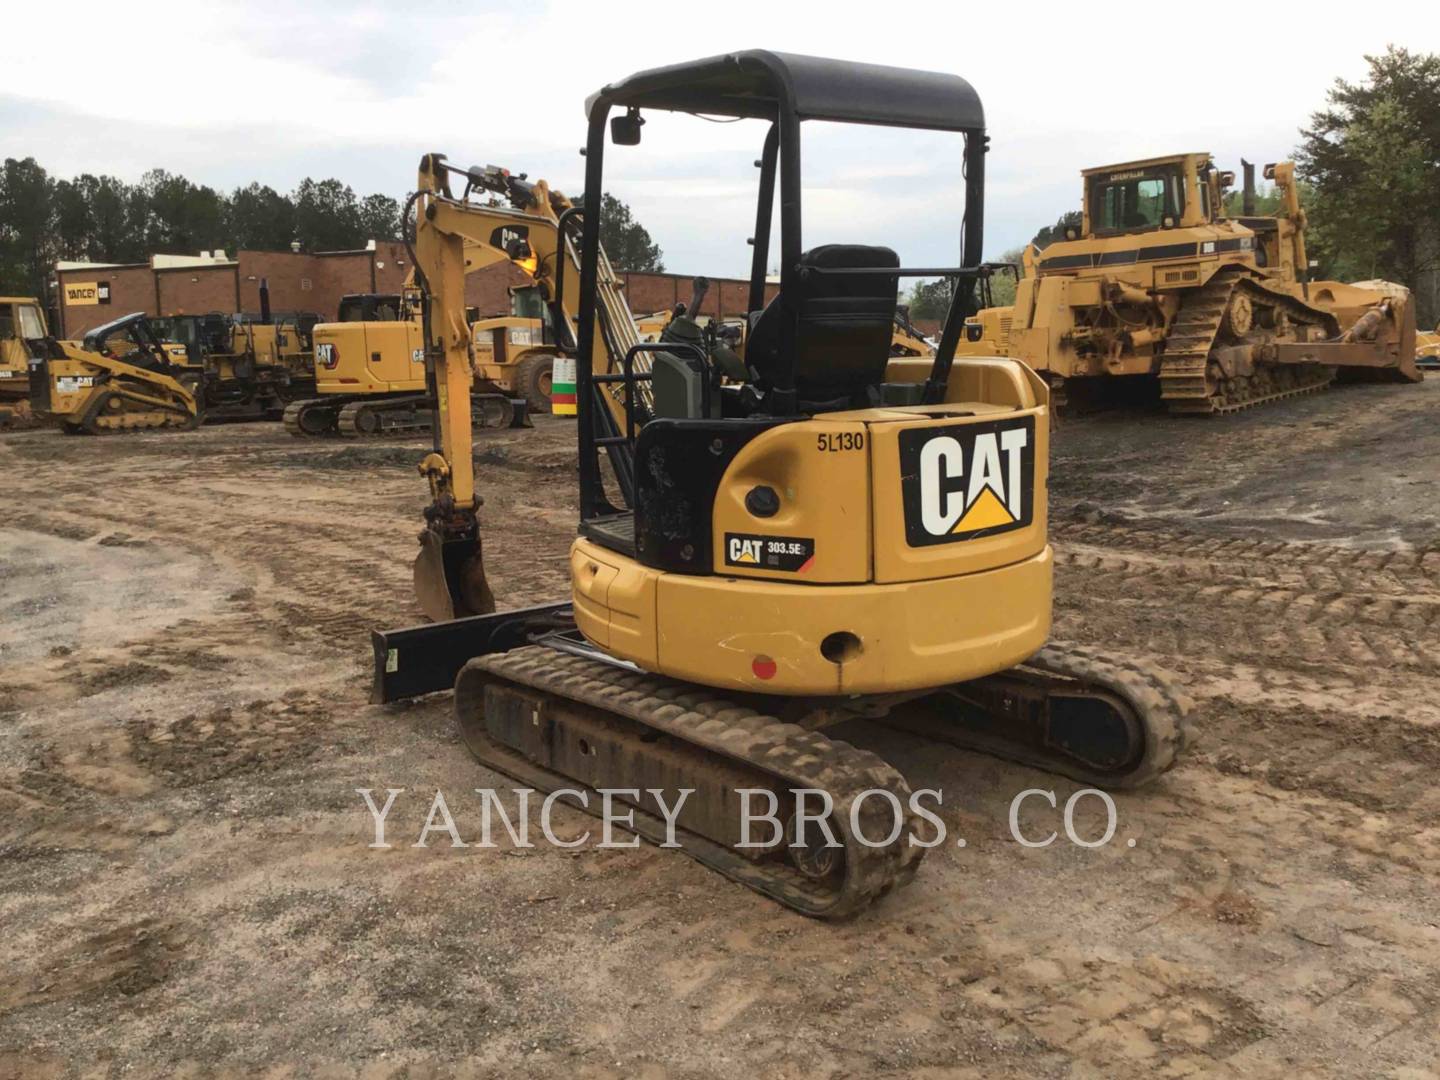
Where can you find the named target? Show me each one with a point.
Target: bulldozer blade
(450, 578)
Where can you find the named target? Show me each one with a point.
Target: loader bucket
(450, 578)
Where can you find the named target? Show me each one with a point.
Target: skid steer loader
(840, 535)
(121, 377)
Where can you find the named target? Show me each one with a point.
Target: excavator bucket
(450, 578)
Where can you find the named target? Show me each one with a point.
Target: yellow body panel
(987, 332)
(875, 582)
(820, 470)
(517, 337)
(712, 629)
(369, 357)
(896, 559)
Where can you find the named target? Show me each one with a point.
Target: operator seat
(842, 347)
(846, 323)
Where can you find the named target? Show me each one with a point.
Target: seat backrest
(846, 324)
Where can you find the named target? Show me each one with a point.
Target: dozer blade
(450, 578)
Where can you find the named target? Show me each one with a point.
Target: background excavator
(834, 534)
(1217, 311)
(121, 377)
(370, 367)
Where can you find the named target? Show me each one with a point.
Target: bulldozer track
(788, 755)
(1187, 383)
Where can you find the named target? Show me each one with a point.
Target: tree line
(1368, 165)
(44, 219)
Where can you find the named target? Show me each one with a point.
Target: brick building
(89, 294)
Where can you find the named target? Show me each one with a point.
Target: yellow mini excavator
(120, 377)
(829, 533)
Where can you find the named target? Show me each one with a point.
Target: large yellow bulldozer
(829, 534)
(1159, 283)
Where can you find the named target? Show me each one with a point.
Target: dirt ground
(186, 887)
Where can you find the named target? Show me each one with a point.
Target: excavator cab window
(1136, 199)
(370, 307)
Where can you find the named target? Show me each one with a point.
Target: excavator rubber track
(1070, 709)
(553, 720)
(311, 418)
(1191, 383)
(368, 417)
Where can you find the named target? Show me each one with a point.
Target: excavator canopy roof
(757, 82)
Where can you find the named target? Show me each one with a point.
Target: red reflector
(764, 667)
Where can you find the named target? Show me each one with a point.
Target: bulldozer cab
(201, 335)
(1147, 196)
(21, 321)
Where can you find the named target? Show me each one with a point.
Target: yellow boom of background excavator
(828, 533)
(370, 363)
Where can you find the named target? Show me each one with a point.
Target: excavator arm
(520, 221)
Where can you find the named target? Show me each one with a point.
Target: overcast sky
(226, 93)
